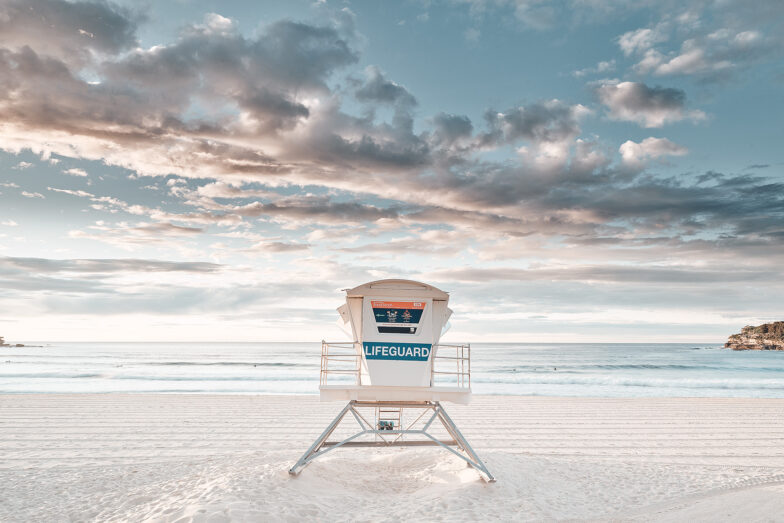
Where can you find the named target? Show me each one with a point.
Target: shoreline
(162, 457)
(316, 395)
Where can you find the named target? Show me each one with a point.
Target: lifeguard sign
(394, 365)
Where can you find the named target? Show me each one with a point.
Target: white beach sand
(115, 457)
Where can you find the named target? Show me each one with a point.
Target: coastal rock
(768, 336)
(4, 344)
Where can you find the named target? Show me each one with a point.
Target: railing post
(358, 356)
(469, 365)
(433, 367)
(458, 361)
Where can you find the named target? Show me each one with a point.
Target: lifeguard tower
(395, 373)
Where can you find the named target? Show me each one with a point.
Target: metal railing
(341, 364)
(340, 361)
(452, 366)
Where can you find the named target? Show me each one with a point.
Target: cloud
(97, 265)
(79, 281)
(75, 171)
(280, 247)
(450, 128)
(636, 155)
(27, 194)
(212, 94)
(377, 88)
(610, 273)
(256, 77)
(542, 15)
(647, 106)
(600, 68)
(712, 42)
(713, 56)
(546, 121)
(321, 208)
(434, 242)
(641, 40)
(70, 31)
(83, 194)
(129, 236)
(226, 190)
(549, 127)
(9, 223)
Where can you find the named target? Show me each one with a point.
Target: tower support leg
(309, 455)
(450, 426)
(463, 449)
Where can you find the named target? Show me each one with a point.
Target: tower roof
(391, 288)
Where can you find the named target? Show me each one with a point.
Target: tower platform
(459, 395)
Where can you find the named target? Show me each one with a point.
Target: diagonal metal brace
(463, 449)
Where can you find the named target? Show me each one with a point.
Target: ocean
(585, 369)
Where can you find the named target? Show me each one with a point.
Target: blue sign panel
(397, 311)
(381, 350)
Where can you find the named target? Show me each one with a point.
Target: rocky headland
(768, 336)
(4, 344)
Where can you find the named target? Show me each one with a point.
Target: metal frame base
(393, 438)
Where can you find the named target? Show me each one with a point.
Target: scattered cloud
(710, 43)
(130, 236)
(75, 171)
(610, 273)
(83, 194)
(713, 56)
(28, 194)
(451, 128)
(90, 265)
(279, 247)
(547, 123)
(71, 31)
(378, 88)
(543, 15)
(600, 68)
(641, 40)
(636, 155)
(647, 106)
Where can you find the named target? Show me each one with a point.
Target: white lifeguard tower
(395, 372)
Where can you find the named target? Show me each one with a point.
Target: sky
(570, 171)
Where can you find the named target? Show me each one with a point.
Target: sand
(126, 457)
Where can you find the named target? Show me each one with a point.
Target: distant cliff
(768, 336)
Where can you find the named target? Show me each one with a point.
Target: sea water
(593, 370)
